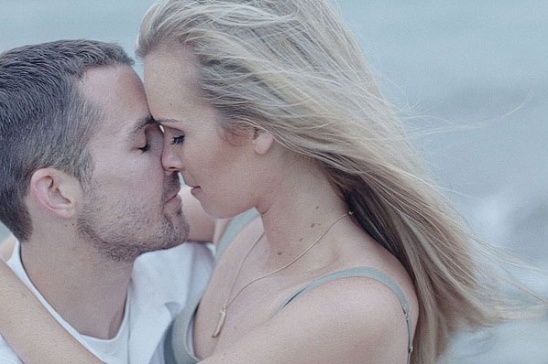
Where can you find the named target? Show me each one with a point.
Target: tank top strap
(235, 225)
(369, 273)
(178, 340)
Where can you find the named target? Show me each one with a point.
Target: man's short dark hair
(45, 121)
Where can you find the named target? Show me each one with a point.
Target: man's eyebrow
(141, 123)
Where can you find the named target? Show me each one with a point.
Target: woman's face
(217, 168)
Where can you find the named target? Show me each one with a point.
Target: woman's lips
(195, 190)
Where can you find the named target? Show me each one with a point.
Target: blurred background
(471, 80)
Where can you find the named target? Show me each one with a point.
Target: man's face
(131, 205)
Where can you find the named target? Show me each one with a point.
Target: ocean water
(471, 80)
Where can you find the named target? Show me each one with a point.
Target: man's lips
(173, 194)
(175, 202)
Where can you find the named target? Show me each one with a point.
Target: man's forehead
(101, 83)
(118, 93)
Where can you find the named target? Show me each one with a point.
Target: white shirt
(160, 285)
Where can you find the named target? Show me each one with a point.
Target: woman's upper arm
(343, 321)
(202, 226)
(30, 329)
(6, 247)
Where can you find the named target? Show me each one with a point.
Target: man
(83, 190)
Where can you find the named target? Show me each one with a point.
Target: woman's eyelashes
(174, 136)
(177, 139)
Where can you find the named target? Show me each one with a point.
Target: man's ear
(262, 141)
(55, 191)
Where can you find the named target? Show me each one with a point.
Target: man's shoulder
(7, 355)
(173, 275)
(181, 259)
(161, 283)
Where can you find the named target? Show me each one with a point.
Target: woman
(342, 250)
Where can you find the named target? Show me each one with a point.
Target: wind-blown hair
(45, 120)
(290, 67)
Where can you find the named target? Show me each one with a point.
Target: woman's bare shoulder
(361, 309)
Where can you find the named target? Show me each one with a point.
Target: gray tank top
(177, 347)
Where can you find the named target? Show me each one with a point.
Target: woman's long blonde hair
(291, 67)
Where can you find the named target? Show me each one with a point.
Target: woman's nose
(171, 160)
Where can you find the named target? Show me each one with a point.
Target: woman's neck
(300, 208)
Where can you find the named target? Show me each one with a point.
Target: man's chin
(179, 231)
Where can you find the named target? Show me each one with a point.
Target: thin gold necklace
(228, 301)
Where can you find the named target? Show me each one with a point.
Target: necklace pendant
(220, 321)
